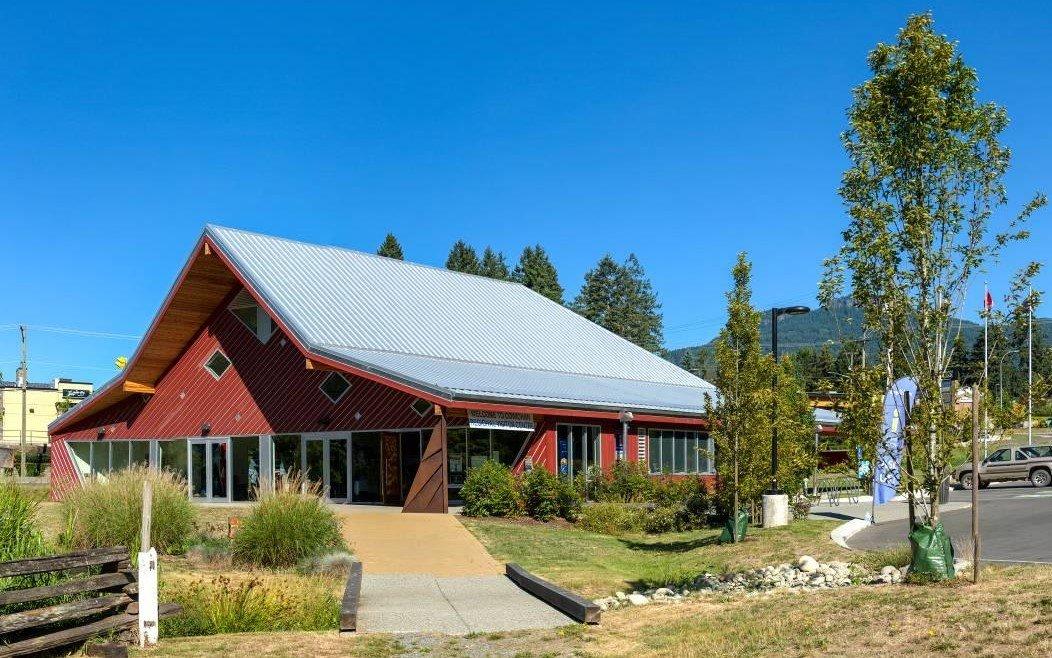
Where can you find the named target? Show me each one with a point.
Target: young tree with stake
(925, 182)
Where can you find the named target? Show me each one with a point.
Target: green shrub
(662, 519)
(569, 500)
(108, 512)
(222, 605)
(625, 482)
(490, 490)
(287, 526)
(612, 518)
(540, 494)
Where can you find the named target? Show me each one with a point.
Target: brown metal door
(392, 472)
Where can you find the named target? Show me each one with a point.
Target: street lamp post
(775, 503)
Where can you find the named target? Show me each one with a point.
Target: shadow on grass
(682, 546)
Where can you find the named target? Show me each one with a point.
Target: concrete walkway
(426, 573)
(892, 511)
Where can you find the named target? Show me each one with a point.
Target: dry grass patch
(1009, 613)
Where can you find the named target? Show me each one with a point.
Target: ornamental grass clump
(108, 512)
(490, 489)
(256, 604)
(287, 526)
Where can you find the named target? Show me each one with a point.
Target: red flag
(989, 300)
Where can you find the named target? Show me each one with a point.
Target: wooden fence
(90, 592)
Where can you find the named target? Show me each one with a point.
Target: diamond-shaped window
(335, 386)
(217, 364)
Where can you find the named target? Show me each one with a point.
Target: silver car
(1032, 463)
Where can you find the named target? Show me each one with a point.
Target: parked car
(1032, 463)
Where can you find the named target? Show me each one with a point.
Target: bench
(89, 592)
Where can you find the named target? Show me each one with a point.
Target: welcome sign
(498, 420)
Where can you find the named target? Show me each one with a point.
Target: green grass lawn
(598, 565)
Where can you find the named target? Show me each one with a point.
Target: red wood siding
(267, 389)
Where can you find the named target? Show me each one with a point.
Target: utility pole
(23, 380)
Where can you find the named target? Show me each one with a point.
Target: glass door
(325, 464)
(578, 449)
(209, 465)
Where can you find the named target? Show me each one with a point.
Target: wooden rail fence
(94, 592)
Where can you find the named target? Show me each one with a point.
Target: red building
(382, 380)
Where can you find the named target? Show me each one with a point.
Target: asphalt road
(1015, 522)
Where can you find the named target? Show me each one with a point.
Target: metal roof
(457, 335)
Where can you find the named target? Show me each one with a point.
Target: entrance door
(325, 464)
(209, 469)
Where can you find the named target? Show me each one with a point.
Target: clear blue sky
(682, 132)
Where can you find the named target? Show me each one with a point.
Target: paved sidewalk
(389, 542)
(459, 605)
(426, 573)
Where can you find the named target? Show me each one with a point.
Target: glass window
(366, 467)
(692, 452)
(100, 458)
(255, 319)
(1020, 456)
(217, 364)
(1002, 455)
(668, 452)
(654, 451)
(119, 455)
(80, 451)
(506, 444)
(140, 453)
(199, 466)
(335, 386)
(286, 455)
(421, 407)
(478, 447)
(456, 449)
(172, 456)
(705, 458)
(679, 463)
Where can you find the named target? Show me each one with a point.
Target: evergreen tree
(688, 362)
(620, 298)
(391, 248)
(462, 258)
(493, 265)
(536, 272)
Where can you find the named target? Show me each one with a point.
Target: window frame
(265, 326)
(339, 397)
(208, 368)
(681, 441)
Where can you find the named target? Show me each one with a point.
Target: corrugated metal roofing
(462, 336)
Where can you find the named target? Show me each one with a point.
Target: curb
(845, 531)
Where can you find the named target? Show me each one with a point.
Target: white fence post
(147, 573)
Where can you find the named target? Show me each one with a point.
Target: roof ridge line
(505, 365)
(209, 227)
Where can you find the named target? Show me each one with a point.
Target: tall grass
(225, 605)
(19, 536)
(109, 513)
(287, 526)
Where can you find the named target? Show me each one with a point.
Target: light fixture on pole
(776, 503)
(626, 418)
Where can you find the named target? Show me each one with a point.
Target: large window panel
(286, 455)
(679, 462)
(654, 451)
(506, 445)
(80, 451)
(140, 453)
(172, 456)
(668, 452)
(119, 455)
(100, 458)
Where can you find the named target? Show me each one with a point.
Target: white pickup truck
(1032, 463)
